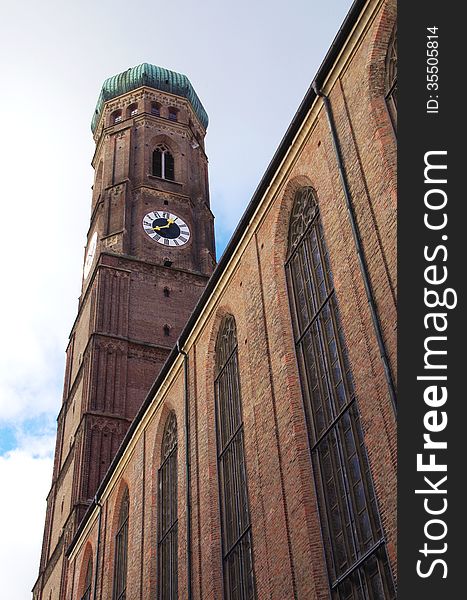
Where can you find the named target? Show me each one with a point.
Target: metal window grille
(235, 515)
(391, 78)
(88, 582)
(168, 514)
(350, 523)
(121, 550)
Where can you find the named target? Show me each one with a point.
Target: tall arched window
(168, 514)
(235, 515)
(87, 581)
(163, 163)
(391, 77)
(350, 523)
(121, 549)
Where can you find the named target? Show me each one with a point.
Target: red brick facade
(251, 285)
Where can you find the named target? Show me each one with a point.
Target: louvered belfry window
(88, 582)
(391, 77)
(121, 549)
(235, 515)
(168, 514)
(351, 528)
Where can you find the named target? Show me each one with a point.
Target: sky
(250, 61)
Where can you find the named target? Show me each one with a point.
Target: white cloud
(25, 474)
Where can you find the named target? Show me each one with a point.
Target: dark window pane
(169, 166)
(157, 163)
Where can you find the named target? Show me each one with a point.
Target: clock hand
(169, 223)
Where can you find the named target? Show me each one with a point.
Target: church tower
(149, 253)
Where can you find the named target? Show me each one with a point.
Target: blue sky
(250, 62)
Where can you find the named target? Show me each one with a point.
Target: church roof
(150, 76)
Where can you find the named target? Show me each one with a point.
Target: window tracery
(352, 533)
(163, 164)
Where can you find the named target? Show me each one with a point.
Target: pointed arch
(163, 163)
(237, 551)
(168, 512)
(121, 548)
(351, 527)
(86, 572)
(87, 581)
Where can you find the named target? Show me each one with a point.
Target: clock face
(90, 255)
(166, 228)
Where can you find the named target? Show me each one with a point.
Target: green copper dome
(150, 76)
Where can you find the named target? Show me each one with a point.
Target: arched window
(391, 77)
(173, 114)
(132, 110)
(88, 581)
(156, 109)
(115, 117)
(235, 515)
(168, 514)
(350, 523)
(163, 163)
(121, 549)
